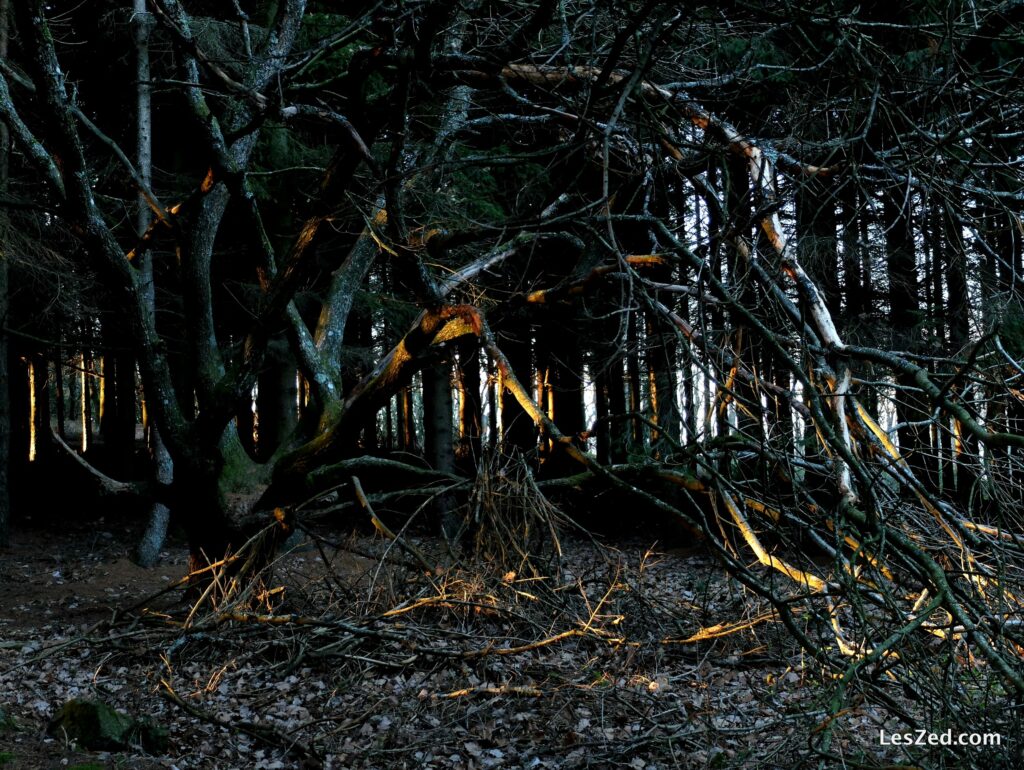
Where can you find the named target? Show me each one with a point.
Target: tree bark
(277, 400)
(470, 406)
(904, 315)
(439, 450)
(147, 552)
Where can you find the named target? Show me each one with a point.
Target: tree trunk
(277, 400)
(405, 421)
(904, 316)
(148, 550)
(437, 439)
(745, 397)
(633, 428)
(61, 395)
(39, 370)
(86, 373)
(663, 363)
(857, 304)
(470, 406)
(560, 369)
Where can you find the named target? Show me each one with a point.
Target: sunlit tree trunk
(405, 421)
(41, 444)
(438, 444)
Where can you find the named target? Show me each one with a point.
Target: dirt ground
(356, 656)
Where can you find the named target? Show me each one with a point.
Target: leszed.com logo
(947, 738)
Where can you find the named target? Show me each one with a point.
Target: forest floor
(634, 657)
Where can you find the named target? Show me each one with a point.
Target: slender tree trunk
(634, 403)
(148, 550)
(58, 382)
(40, 400)
(560, 375)
(663, 363)
(470, 406)
(904, 315)
(404, 428)
(117, 400)
(816, 247)
(88, 386)
(744, 395)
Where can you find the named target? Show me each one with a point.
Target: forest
(538, 383)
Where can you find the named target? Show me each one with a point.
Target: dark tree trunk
(745, 396)
(663, 363)
(634, 429)
(276, 400)
(816, 246)
(438, 444)
(470, 406)
(560, 375)
(438, 447)
(904, 316)
(117, 401)
(857, 304)
(124, 436)
(59, 393)
(966, 463)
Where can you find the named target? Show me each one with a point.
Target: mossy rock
(95, 726)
